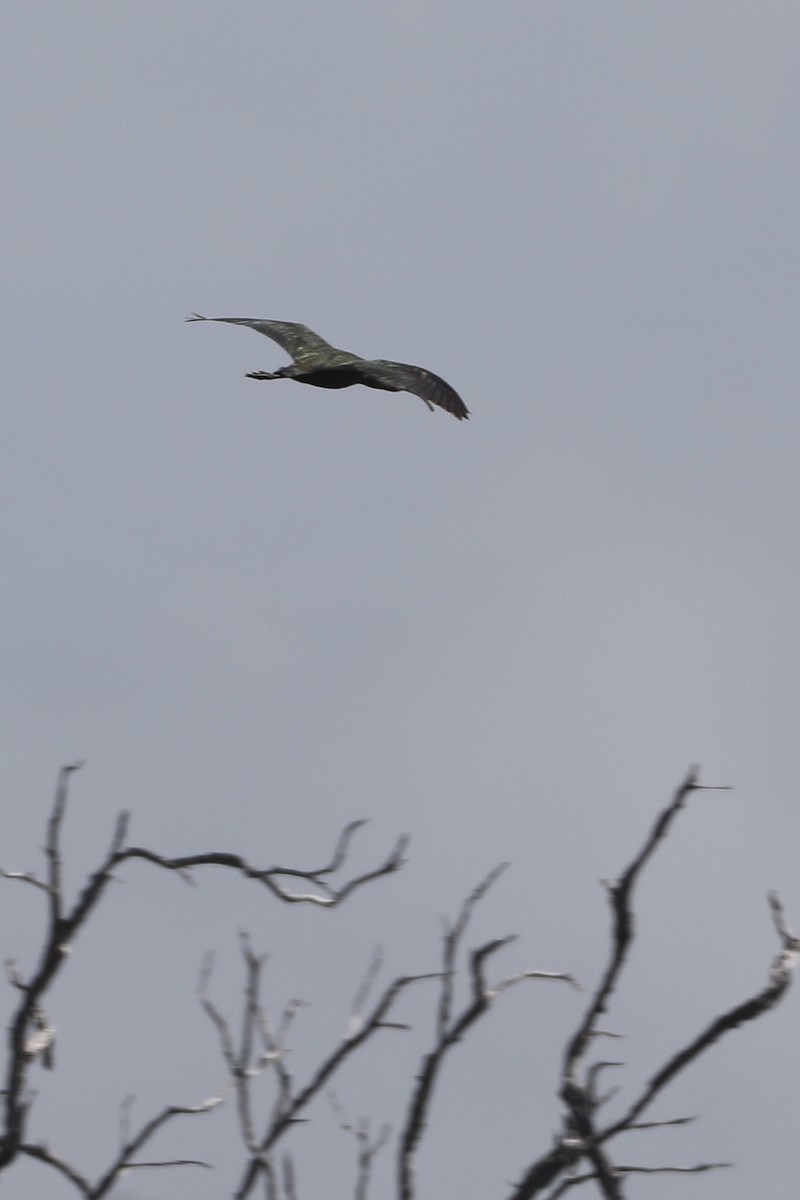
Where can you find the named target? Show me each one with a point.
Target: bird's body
(318, 363)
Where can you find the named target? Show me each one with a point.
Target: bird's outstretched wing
(314, 355)
(402, 377)
(298, 340)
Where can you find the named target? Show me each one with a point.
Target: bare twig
(289, 1182)
(327, 896)
(52, 847)
(242, 1063)
(45, 1155)
(291, 1110)
(368, 1147)
(449, 1029)
(125, 1158)
(577, 1180)
(452, 941)
(25, 877)
(124, 1161)
(364, 989)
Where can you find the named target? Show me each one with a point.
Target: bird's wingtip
(196, 317)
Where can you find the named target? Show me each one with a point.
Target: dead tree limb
(585, 1138)
(31, 1035)
(451, 1029)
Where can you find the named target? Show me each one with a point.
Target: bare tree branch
(452, 941)
(450, 1030)
(621, 896)
(43, 1154)
(578, 1180)
(579, 1155)
(31, 1034)
(289, 1183)
(124, 1160)
(582, 1138)
(243, 1064)
(328, 896)
(25, 877)
(368, 1147)
(290, 1102)
(365, 987)
(780, 978)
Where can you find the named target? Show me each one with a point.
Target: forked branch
(585, 1138)
(31, 1034)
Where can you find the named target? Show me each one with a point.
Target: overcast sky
(259, 611)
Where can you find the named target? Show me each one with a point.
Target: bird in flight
(316, 362)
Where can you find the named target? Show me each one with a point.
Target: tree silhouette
(256, 1054)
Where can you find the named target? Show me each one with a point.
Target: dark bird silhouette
(316, 362)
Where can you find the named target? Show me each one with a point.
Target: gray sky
(259, 611)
